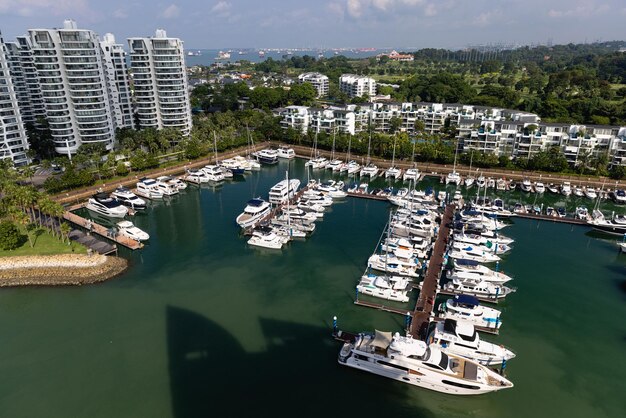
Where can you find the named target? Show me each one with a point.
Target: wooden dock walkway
(95, 228)
(426, 300)
(367, 196)
(93, 243)
(565, 220)
(382, 307)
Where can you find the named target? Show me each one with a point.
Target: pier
(368, 196)
(98, 229)
(426, 300)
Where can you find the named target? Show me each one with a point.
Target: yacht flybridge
(283, 191)
(255, 210)
(464, 308)
(128, 198)
(411, 361)
(286, 153)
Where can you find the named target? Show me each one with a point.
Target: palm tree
(23, 219)
(65, 231)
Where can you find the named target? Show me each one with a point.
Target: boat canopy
(255, 202)
(466, 300)
(470, 263)
(381, 340)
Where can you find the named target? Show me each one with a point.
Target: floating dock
(94, 244)
(426, 300)
(98, 229)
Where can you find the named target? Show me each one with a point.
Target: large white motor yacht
(285, 152)
(255, 210)
(103, 204)
(411, 361)
(460, 338)
(482, 272)
(267, 238)
(128, 229)
(468, 309)
(166, 188)
(196, 177)
(128, 198)
(385, 287)
(173, 181)
(148, 188)
(479, 288)
(283, 191)
(213, 173)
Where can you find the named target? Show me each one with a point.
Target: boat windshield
(443, 363)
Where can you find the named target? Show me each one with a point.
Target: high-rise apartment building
(357, 85)
(160, 82)
(317, 80)
(13, 143)
(73, 83)
(116, 71)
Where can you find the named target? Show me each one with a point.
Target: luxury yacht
(479, 271)
(196, 177)
(103, 204)
(267, 156)
(487, 248)
(286, 152)
(392, 265)
(255, 210)
(237, 166)
(166, 188)
(330, 188)
(173, 182)
(317, 163)
(128, 229)
(460, 338)
(128, 198)
(470, 252)
(148, 188)
(384, 287)
(479, 289)
(411, 361)
(267, 238)
(283, 191)
(615, 226)
(477, 239)
(213, 173)
(464, 308)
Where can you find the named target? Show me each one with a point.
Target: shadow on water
(211, 374)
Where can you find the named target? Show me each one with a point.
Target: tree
(65, 231)
(617, 172)
(302, 94)
(9, 236)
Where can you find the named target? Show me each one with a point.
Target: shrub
(10, 236)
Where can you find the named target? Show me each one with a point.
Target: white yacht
(465, 308)
(335, 165)
(283, 191)
(481, 289)
(481, 182)
(469, 181)
(255, 210)
(384, 287)
(454, 178)
(267, 238)
(618, 196)
(501, 184)
(615, 226)
(213, 172)
(103, 204)
(480, 271)
(353, 168)
(329, 188)
(590, 193)
(470, 252)
(526, 186)
(128, 229)
(566, 188)
(403, 248)
(317, 163)
(196, 177)
(309, 206)
(477, 276)
(128, 198)
(370, 170)
(411, 361)
(393, 172)
(482, 240)
(578, 192)
(286, 152)
(393, 265)
(166, 188)
(411, 174)
(267, 156)
(461, 338)
(539, 187)
(237, 165)
(173, 182)
(488, 248)
(148, 188)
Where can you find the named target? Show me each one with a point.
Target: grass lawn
(45, 244)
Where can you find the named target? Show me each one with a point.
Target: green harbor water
(203, 325)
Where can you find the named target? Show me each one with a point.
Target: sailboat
(316, 161)
(226, 172)
(393, 171)
(334, 164)
(251, 162)
(454, 177)
(469, 180)
(412, 174)
(370, 170)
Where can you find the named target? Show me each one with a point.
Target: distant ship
(193, 54)
(223, 55)
(261, 53)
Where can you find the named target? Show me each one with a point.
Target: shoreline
(59, 270)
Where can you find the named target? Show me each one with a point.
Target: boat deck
(99, 229)
(426, 300)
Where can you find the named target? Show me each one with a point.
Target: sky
(411, 24)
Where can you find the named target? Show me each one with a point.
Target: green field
(44, 244)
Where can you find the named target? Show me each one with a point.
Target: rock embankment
(59, 270)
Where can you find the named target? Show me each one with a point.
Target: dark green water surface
(202, 325)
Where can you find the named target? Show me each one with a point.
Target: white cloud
(582, 8)
(221, 6)
(171, 12)
(120, 14)
(486, 18)
(336, 9)
(354, 8)
(27, 8)
(382, 4)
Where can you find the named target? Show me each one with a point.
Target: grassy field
(45, 244)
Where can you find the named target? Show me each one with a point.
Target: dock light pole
(503, 366)
(335, 324)
(357, 294)
(497, 266)
(497, 292)
(407, 321)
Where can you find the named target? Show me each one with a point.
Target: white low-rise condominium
(357, 85)
(13, 143)
(317, 80)
(73, 82)
(160, 82)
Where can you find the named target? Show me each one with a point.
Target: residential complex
(317, 80)
(502, 132)
(117, 80)
(160, 82)
(357, 85)
(13, 142)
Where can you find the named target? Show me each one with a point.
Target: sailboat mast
(332, 157)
